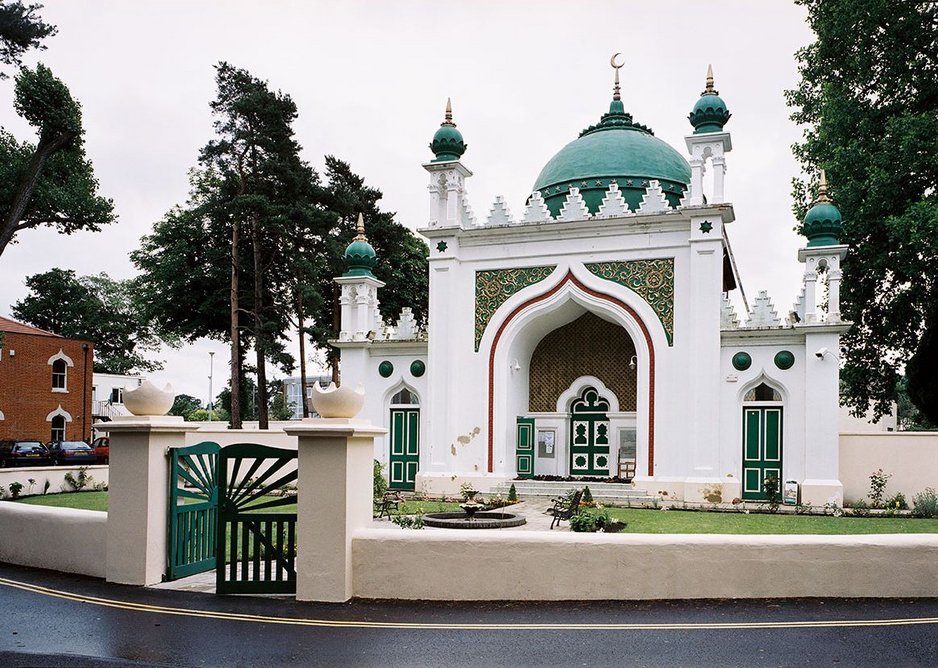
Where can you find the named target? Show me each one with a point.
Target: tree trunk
(235, 418)
(260, 336)
(300, 320)
(24, 191)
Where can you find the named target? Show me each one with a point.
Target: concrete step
(625, 493)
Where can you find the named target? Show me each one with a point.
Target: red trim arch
(570, 278)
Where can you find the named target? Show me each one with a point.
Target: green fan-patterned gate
(256, 520)
(193, 510)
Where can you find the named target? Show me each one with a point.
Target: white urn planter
(337, 402)
(148, 399)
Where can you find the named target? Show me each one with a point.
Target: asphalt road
(52, 619)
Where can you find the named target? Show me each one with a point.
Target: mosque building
(594, 336)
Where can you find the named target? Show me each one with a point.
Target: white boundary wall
(519, 565)
(54, 474)
(910, 456)
(60, 539)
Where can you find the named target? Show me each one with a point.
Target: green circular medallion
(385, 369)
(742, 361)
(418, 368)
(784, 359)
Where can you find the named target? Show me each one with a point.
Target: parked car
(24, 453)
(71, 452)
(102, 449)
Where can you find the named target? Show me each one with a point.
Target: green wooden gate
(762, 450)
(193, 509)
(524, 452)
(589, 434)
(405, 448)
(256, 549)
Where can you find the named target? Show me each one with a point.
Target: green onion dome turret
(823, 223)
(710, 113)
(447, 143)
(360, 257)
(615, 150)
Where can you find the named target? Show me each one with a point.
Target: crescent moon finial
(612, 62)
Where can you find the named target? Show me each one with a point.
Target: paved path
(52, 619)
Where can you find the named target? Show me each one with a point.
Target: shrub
(772, 491)
(512, 493)
(897, 502)
(408, 521)
(878, 481)
(15, 488)
(925, 504)
(587, 498)
(380, 484)
(860, 508)
(80, 481)
(583, 523)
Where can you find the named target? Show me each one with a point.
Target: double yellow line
(363, 624)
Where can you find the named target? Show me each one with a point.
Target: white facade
(508, 298)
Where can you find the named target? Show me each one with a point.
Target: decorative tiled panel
(495, 286)
(652, 280)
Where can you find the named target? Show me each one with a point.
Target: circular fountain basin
(480, 521)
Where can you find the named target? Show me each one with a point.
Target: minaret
(822, 226)
(448, 204)
(359, 299)
(708, 141)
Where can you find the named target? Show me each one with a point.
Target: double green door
(405, 448)
(762, 450)
(589, 434)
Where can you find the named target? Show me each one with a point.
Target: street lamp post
(211, 370)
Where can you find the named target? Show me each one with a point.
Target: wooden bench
(565, 508)
(390, 500)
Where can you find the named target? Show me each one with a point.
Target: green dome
(615, 150)
(360, 257)
(710, 113)
(823, 225)
(447, 142)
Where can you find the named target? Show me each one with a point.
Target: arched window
(762, 392)
(58, 428)
(59, 375)
(405, 398)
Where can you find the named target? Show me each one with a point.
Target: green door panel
(762, 449)
(405, 448)
(524, 449)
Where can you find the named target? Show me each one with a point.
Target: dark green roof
(709, 114)
(823, 225)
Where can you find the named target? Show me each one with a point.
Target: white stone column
(810, 292)
(822, 420)
(833, 289)
(719, 171)
(138, 495)
(696, 181)
(335, 500)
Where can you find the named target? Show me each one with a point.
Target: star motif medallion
(441, 247)
(706, 226)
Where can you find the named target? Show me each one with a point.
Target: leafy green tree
(867, 98)
(280, 408)
(21, 29)
(95, 308)
(184, 405)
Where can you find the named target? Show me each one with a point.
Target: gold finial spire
(448, 116)
(822, 189)
(360, 228)
(710, 90)
(615, 89)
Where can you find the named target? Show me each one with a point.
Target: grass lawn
(682, 521)
(83, 500)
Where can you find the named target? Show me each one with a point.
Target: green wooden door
(762, 449)
(589, 434)
(193, 509)
(524, 452)
(256, 520)
(405, 448)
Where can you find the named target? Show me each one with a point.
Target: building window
(59, 376)
(58, 428)
(117, 395)
(405, 398)
(763, 392)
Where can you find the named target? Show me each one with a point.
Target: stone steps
(618, 493)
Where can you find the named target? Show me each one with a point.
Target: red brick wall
(26, 395)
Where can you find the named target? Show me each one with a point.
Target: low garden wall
(55, 475)
(911, 457)
(60, 539)
(518, 565)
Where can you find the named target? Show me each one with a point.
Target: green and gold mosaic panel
(652, 280)
(495, 286)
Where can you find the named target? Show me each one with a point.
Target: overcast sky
(371, 80)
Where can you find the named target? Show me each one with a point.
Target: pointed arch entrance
(404, 455)
(763, 409)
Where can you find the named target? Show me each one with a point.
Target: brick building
(45, 384)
